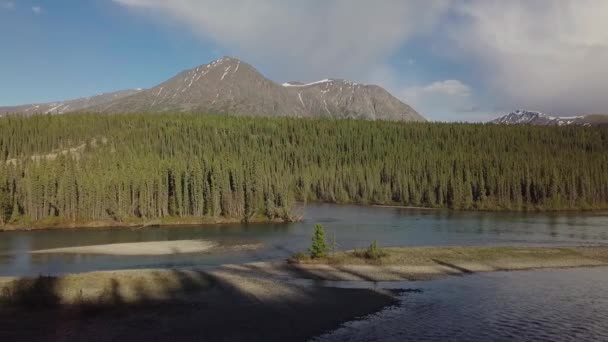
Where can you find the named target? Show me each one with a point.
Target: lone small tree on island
(374, 251)
(318, 248)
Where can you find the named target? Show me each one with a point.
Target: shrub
(318, 248)
(334, 244)
(298, 258)
(374, 252)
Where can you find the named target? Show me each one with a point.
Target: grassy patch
(373, 252)
(421, 256)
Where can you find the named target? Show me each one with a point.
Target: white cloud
(445, 100)
(548, 55)
(447, 88)
(37, 9)
(442, 99)
(551, 55)
(7, 5)
(305, 40)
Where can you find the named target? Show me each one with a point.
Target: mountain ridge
(231, 86)
(529, 117)
(62, 107)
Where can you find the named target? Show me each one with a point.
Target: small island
(77, 305)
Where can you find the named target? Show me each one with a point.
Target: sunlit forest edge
(186, 167)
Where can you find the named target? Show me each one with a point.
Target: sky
(452, 60)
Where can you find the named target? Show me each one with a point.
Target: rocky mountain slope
(524, 117)
(231, 86)
(342, 98)
(67, 106)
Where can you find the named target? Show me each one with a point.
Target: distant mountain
(67, 106)
(525, 117)
(231, 86)
(342, 98)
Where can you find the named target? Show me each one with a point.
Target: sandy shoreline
(245, 301)
(403, 263)
(403, 207)
(110, 224)
(422, 263)
(176, 305)
(206, 221)
(137, 248)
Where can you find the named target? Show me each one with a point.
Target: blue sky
(79, 48)
(453, 60)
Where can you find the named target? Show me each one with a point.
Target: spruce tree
(318, 248)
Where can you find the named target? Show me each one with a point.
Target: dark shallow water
(548, 305)
(353, 226)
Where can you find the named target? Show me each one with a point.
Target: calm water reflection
(353, 226)
(554, 305)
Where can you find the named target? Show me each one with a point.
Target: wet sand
(133, 223)
(176, 305)
(137, 248)
(254, 301)
(423, 263)
(403, 207)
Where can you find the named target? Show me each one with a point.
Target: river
(352, 226)
(545, 305)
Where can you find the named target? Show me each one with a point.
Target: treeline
(82, 167)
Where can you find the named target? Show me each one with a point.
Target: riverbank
(398, 264)
(177, 305)
(137, 248)
(422, 263)
(151, 248)
(134, 223)
(262, 300)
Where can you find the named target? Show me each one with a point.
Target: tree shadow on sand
(180, 305)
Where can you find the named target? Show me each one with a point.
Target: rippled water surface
(551, 305)
(353, 227)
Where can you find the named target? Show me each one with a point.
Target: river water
(352, 226)
(546, 305)
(555, 305)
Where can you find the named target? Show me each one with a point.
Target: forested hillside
(79, 167)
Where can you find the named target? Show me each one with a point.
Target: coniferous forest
(85, 167)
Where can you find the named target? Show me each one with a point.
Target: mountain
(342, 98)
(524, 117)
(67, 106)
(226, 85)
(231, 86)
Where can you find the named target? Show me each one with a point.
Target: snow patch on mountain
(288, 84)
(527, 117)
